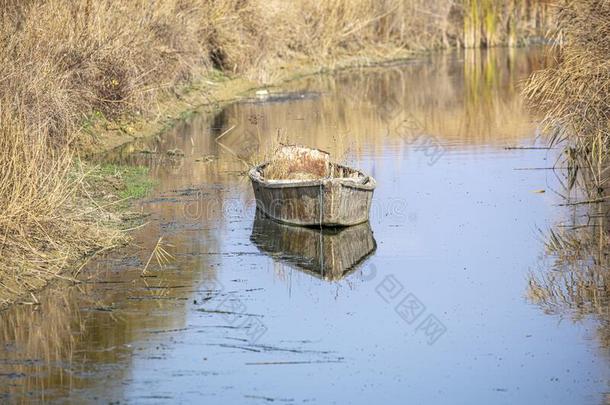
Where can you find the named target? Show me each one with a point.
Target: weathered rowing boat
(327, 253)
(309, 190)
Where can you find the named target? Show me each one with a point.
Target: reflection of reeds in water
(578, 283)
(58, 344)
(42, 336)
(474, 102)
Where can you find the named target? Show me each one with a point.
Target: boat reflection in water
(328, 253)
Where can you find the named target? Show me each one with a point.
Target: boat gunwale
(366, 184)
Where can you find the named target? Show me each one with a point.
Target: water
(427, 303)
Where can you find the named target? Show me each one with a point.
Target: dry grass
(45, 223)
(65, 60)
(492, 22)
(573, 95)
(65, 63)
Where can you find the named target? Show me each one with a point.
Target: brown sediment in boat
(297, 163)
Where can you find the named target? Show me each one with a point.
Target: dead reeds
(572, 96)
(46, 221)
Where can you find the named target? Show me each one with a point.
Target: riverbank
(212, 92)
(104, 193)
(97, 218)
(100, 195)
(83, 77)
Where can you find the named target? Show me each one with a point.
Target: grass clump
(112, 181)
(47, 219)
(572, 96)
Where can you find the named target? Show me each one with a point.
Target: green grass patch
(217, 75)
(124, 182)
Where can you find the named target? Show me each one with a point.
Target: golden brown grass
(67, 61)
(45, 221)
(493, 22)
(572, 96)
(64, 63)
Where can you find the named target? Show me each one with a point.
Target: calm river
(432, 302)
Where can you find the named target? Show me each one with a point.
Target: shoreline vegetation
(572, 98)
(84, 76)
(572, 95)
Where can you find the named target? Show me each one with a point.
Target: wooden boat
(327, 253)
(310, 190)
